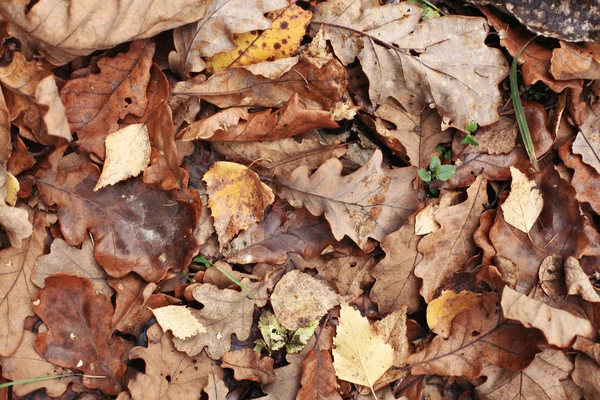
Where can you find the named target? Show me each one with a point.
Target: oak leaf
(79, 334)
(248, 364)
(442, 310)
(587, 142)
(318, 377)
(299, 299)
(361, 355)
(448, 49)
(133, 293)
(585, 180)
(570, 61)
(368, 203)
(524, 202)
(179, 320)
(236, 198)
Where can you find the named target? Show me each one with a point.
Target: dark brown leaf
(248, 364)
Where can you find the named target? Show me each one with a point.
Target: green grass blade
(208, 264)
(38, 379)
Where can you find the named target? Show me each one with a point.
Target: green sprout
(436, 171)
(470, 139)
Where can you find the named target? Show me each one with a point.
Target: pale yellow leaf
(180, 320)
(127, 155)
(442, 310)
(361, 355)
(524, 203)
(12, 188)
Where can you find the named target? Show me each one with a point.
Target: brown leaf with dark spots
(248, 364)
(79, 335)
(318, 377)
(132, 294)
(96, 102)
(135, 227)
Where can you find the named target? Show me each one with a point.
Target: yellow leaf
(12, 188)
(361, 355)
(279, 41)
(127, 154)
(236, 198)
(179, 320)
(441, 311)
(524, 203)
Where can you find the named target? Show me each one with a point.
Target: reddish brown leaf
(248, 364)
(586, 180)
(21, 159)
(318, 377)
(79, 335)
(571, 61)
(135, 227)
(132, 294)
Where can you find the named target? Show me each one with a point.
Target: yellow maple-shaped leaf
(442, 310)
(524, 203)
(279, 41)
(361, 354)
(178, 319)
(236, 198)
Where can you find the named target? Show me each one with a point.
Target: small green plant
(429, 9)
(444, 152)
(436, 171)
(470, 139)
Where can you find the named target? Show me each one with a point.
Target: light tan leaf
(127, 155)
(247, 364)
(578, 282)
(299, 299)
(393, 329)
(571, 61)
(14, 220)
(587, 375)
(441, 61)
(368, 203)
(559, 327)
(236, 198)
(179, 320)
(524, 203)
(361, 355)
(216, 389)
(442, 310)
(587, 142)
(425, 222)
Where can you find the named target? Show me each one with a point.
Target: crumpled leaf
(236, 198)
(559, 327)
(452, 68)
(578, 282)
(571, 61)
(442, 310)
(179, 320)
(64, 30)
(135, 227)
(127, 155)
(169, 374)
(299, 299)
(247, 364)
(368, 203)
(79, 334)
(281, 40)
(212, 34)
(524, 202)
(274, 335)
(318, 377)
(587, 142)
(361, 355)
(96, 102)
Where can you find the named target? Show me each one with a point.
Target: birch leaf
(179, 320)
(524, 203)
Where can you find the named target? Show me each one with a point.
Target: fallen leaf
(559, 327)
(585, 180)
(216, 388)
(361, 205)
(571, 61)
(498, 138)
(318, 377)
(132, 294)
(361, 355)
(447, 49)
(79, 334)
(179, 320)
(72, 261)
(587, 141)
(247, 364)
(393, 329)
(236, 198)
(14, 220)
(281, 40)
(524, 203)
(169, 374)
(586, 375)
(299, 298)
(287, 383)
(442, 310)
(578, 282)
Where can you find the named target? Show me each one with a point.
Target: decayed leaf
(396, 284)
(169, 374)
(179, 320)
(127, 155)
(318, 377)
(452, 69)
(578, 282)
(79, 334)
(447, 250)
(361, 355)
(212, 34)
(571, 61)
(279, 41)
(541, 379)
(369, 203)
(559, 327)
(524, 203)
(299, 299)
(236, 198)
(16, 289)
(73, 261)
(587, 142)
(248, 364)
(135, 227)
(442, 310)
(95, 102)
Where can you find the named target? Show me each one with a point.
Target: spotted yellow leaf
(279, 41)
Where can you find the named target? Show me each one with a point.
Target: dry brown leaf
(248, 364)
(587, 142)
(393, 329)
(63, 30)
(559, 327)
(442, 310)
(179, 320)
(169, 374)
(571, 61)
(361, 354)
(425, 221)
(216, 388)
(447, 250)
(299, 299)
(524, 203)
(585, 180)
(318, 377)
(127, 155)
(133, 293)
(72, 261)
(14, 220)
(236, 198)
(452, 68)
(368, 203)
(587, 375)
(578, 282)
